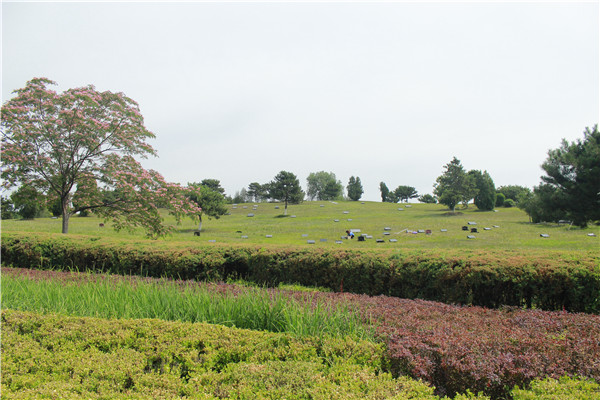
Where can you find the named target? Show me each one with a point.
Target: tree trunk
(285, 210)
(200, 223)
(65, 215)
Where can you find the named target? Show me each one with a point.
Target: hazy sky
(386, 91)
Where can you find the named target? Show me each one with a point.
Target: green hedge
(55, 356)
(549, 280)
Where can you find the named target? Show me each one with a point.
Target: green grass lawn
(510, 228)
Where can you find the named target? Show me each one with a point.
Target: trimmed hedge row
(75, 357)
(549, 280)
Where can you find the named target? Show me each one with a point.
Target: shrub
(509, 203)
(500, 199)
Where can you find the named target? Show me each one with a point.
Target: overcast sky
(386, 91)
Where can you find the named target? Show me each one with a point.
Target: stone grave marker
(244, 237)
(471, 223)
(487, 229)
(346, 212)
(393, 240)
(349, 219)
(401, 209)
(443, 230)
(212, 241)
(305, 235)
(336, 220)
(470, 237)
(292, 216)
(591, 234)
(421, 231)
(269, 236)
(322, 240)
(386, 233)
(251, 215)
(544, 235)
(387, 228)
(310, 242)
(338, 242)
(380, 241)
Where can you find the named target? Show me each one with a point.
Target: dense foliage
(454, 185)
(355, 188)
(546, 280)
(78, 145)
(323, 186)
(453, 348)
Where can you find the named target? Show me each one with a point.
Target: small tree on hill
(404, 193)
(428, 199)
(355, 188)
(323, 186)
(454, 185)
(486, 191)
(385, 192)
(286, 188)
(209, 201)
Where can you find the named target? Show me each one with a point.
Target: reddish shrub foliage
(456, 348)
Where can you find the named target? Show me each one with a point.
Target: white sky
(386, 91)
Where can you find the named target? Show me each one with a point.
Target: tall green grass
(249, 308)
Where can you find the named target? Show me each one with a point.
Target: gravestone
(196, 233)
(277, 207)
(380, 241)
(393, 240)
(310, 242)
(322, 240)
(408, 206)
(234, 207)
(362, 202)
(401, 209)
(428, 231)
(336, 220)
(346, 212)
(338, 242)
(386, 233)
(244, 237)
(496, 226)
(251, 215)
(292, 216)
(471, 223)
(470, 237)
(591, 234)
(361, 238)
(487, 229)
(474, 230)
(421, 231)
(349, 219)
(369, 237)
(322, 205)
(387, 228)
(355, 230)
(245, 207)
(444, 230)
(269, 236)
(544, 235)
(305, 235)
(465, 228)
(212, 241)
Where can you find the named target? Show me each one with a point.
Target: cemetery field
(396, 226)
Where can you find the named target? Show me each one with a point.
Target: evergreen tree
(454, 185)
(286, 188)
(486, 190)
(385, 192)
(355, 189)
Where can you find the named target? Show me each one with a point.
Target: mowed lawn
(325, 223)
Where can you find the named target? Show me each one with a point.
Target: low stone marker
(386, 233)
(269, 236)
(292, 216)
(408, 206)
(250, 215)
(310, 242)
(346, 212)
(591, 234)
(322, 205)
(305, 235)
(443, 230)
(355, 230)
(361, 238)
(380, 241)
(401, 209)
(421, 231)
(474, 230)
(428, 231)
(244, 237)
(338, 242)
(369, 237)
(496, 226)
(245, 207)
(196, 233)
(349, 219)
(470, 237)
(544, 235)
(471, 223)
(212, 241)
(393, 240)
(387, 228)
(322, 240)
(465, 228)
(487, 229)
(336, 220)
(277, 207)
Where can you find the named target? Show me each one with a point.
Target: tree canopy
(84, 141)
(285, 187)
(454, 185)
(355, 188)
(485, 199)
(323, 186)
(573, 172)
(210, 201)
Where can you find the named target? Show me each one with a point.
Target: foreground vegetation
(454, 349)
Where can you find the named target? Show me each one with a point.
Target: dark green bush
(550, 281)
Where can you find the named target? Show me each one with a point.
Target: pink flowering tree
(78, 147)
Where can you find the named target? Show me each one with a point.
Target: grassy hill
(326, 222)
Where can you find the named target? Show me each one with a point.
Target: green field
(510, 228)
